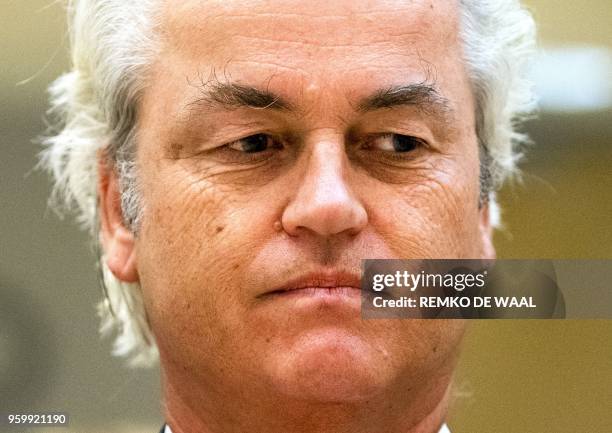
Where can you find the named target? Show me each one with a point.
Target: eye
(395, 143)
(253, 143)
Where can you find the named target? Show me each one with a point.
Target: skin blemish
(175, 149)
(219, 229)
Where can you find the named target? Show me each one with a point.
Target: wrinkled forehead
(316, 44)
(338, 29)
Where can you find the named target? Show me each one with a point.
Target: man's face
(280, 143)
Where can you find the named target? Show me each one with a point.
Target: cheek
(434, 215)
(194, 242)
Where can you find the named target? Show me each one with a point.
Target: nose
(324, 203)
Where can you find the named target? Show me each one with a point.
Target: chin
(330, 367)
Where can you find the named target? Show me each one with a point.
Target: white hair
(94, 109)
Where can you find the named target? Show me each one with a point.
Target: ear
(486, 232)
(117, 241)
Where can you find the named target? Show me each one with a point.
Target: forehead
(313, 39)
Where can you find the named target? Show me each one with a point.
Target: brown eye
(396, 143)
(253, 143)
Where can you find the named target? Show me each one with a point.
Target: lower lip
(307, 298)
(321, 292)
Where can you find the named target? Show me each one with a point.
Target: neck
(201, 410)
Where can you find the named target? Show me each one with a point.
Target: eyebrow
(234, 95)
(421, 95)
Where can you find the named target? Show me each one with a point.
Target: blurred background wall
(515, 376)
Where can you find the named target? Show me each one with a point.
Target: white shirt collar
(444, 429)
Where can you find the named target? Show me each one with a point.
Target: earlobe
(117, 241)
(486, 233)
(120, 255)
